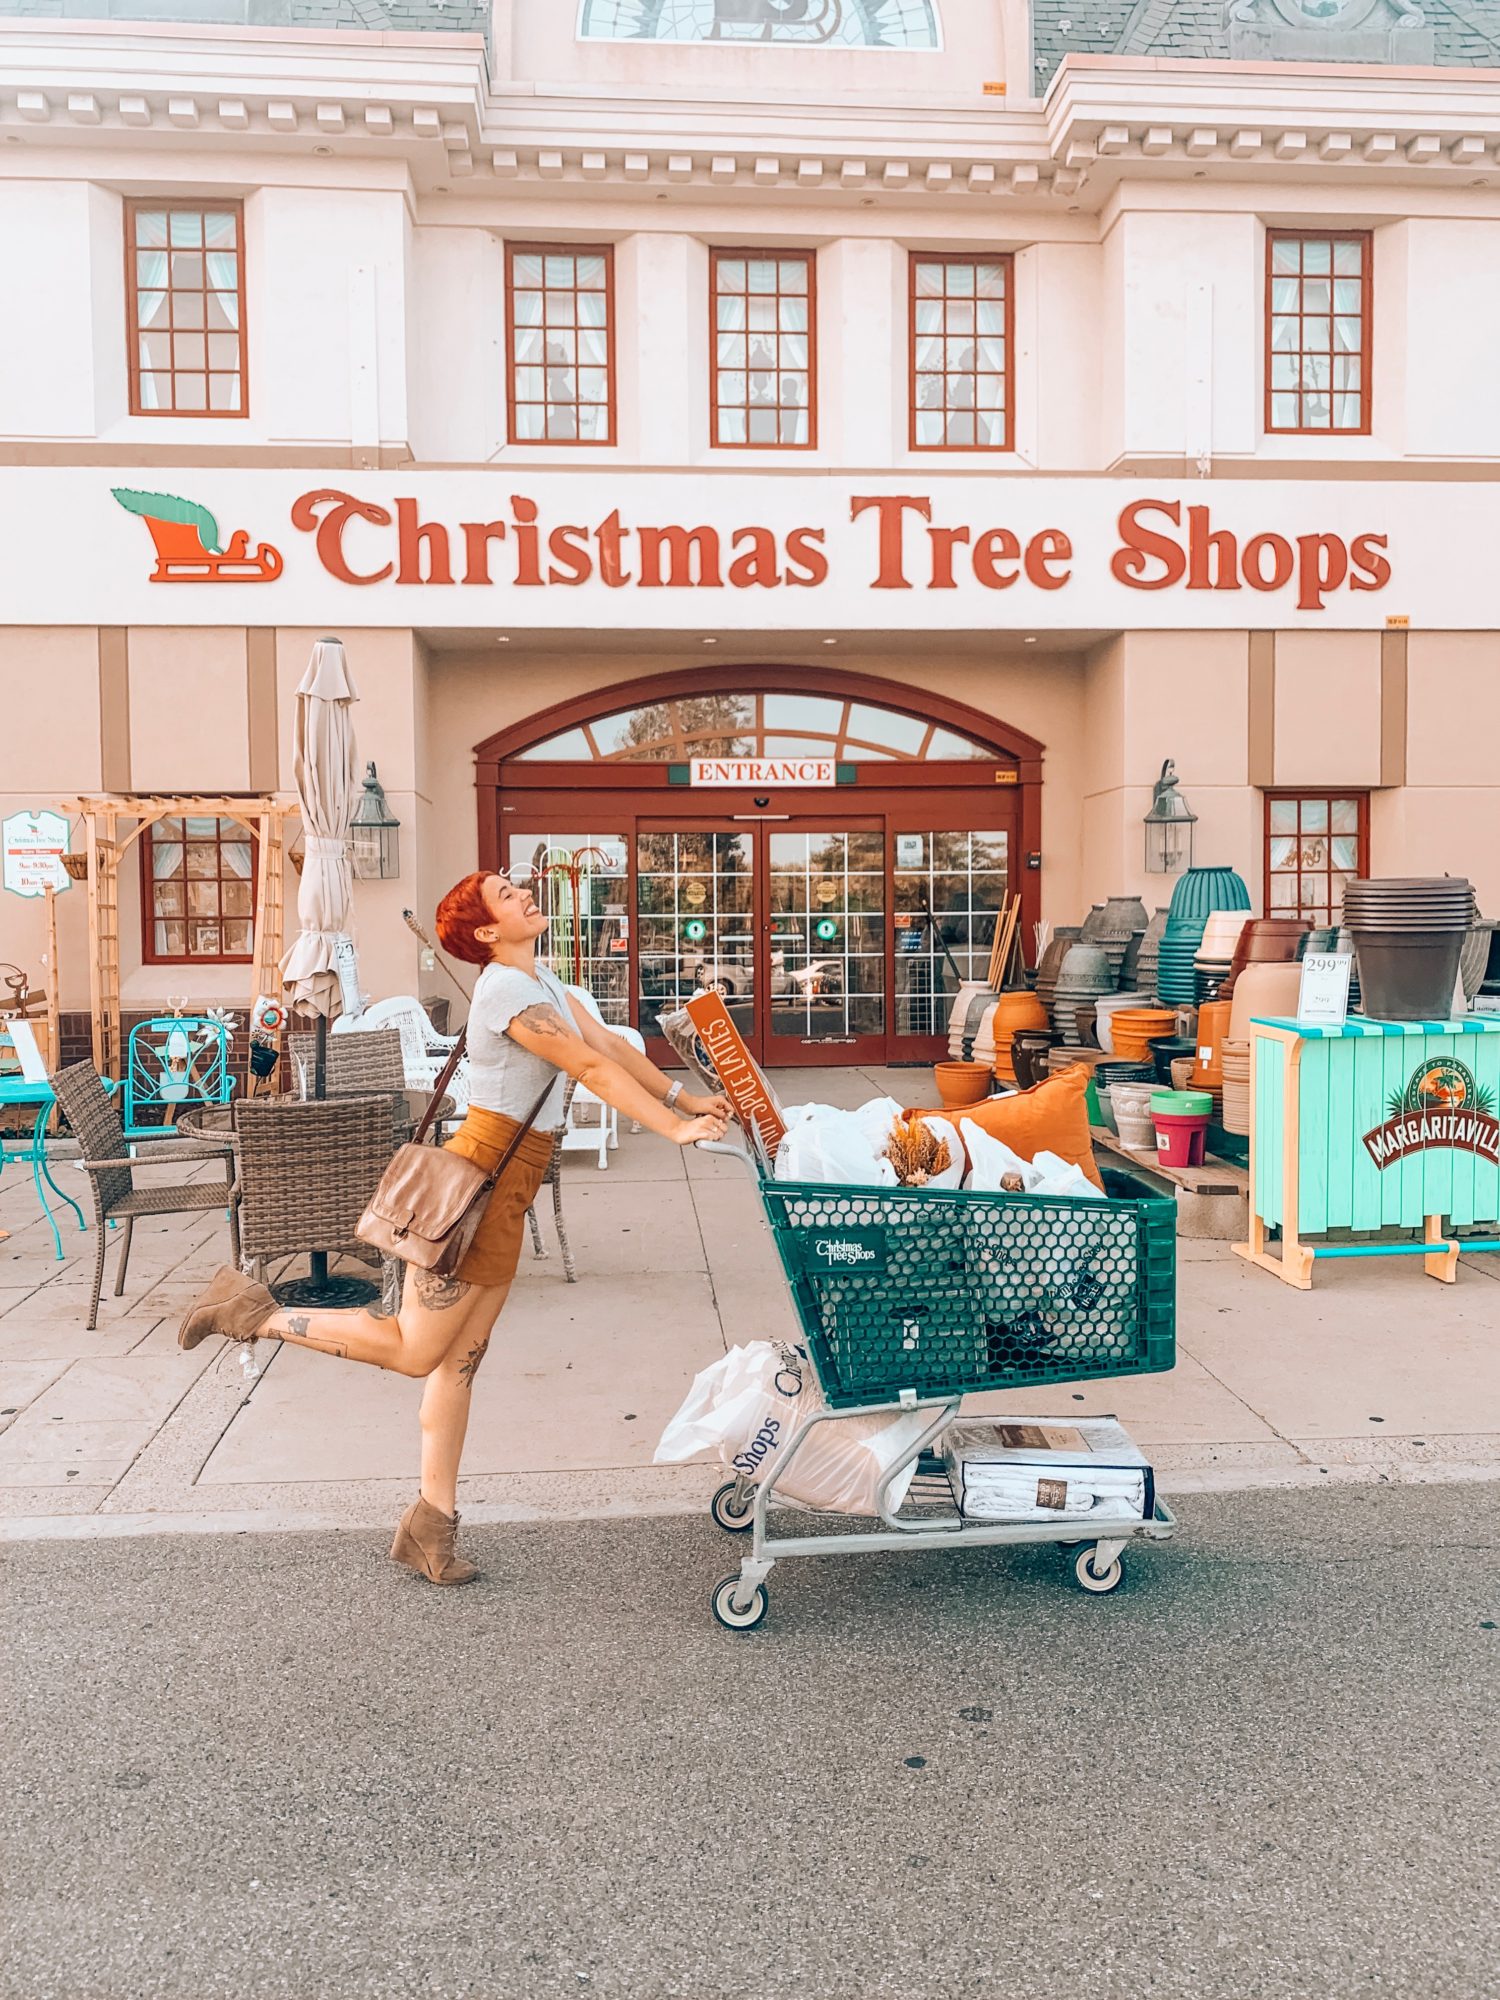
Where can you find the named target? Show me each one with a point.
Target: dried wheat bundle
(915, 1151)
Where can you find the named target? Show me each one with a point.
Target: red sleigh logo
(188, 545)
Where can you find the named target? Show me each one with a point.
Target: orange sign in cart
(740, 1074)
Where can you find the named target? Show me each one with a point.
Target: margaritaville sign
(1442, 1105)
(564, 549)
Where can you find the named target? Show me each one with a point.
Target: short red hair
(462, 912)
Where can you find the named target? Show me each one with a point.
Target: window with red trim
(560, 342)
(1315, 842)
(197, 892)
(185, 305)
(962, 316)
(764, 353)
(1318, 313)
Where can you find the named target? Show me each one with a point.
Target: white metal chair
(423, 1050)
(601, 1132)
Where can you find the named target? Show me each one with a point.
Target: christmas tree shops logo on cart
(1442, 1106)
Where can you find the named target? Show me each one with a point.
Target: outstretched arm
(637, 1064)
(542, 1031)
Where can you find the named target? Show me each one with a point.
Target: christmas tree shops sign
(31, 844)
(1442, 1106)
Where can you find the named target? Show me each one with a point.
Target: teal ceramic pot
(1203, 889)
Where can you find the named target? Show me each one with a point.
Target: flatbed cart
(912, 1298)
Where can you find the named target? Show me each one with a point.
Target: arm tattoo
(438, 1292)
(542, 1020)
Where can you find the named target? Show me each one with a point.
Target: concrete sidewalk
(1379, 1373)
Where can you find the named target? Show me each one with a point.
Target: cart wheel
(732, 1519)
(724, 1606)
(1075, 1545)
(1098, 1582)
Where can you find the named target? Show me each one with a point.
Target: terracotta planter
(960, 1083)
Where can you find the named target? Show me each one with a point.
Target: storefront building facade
(790, 476)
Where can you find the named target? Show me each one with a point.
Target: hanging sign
(740, 771)
(32, 843)
(1323, 997)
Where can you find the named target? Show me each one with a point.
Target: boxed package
(1078, 1469)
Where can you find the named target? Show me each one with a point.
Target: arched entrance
(822, 847)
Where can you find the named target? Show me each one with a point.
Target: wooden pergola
(102, 814)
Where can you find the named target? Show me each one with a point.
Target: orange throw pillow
(1051, 1117)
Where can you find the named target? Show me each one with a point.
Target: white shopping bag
(823, 1143)
(749, 1406)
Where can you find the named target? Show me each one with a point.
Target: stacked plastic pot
(1408, 933)
(1198, 894)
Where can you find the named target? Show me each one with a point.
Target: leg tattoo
(437, 1292)
(470, 1365)
(296, 1323)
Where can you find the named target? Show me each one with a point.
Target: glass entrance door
(697, 923)
(825, 936)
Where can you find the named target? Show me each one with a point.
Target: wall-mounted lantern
(1169, 826)
(374, 835)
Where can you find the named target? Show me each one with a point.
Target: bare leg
(445, 1407)
(434, 1313)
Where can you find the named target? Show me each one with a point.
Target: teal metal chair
(174, 1063)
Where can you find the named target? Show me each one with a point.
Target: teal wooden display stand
(1375, 1125)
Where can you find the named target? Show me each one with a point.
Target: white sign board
(346, 965)
(32, 842)
(724, 549)
(911, 850)
(1323, 998)
(764, 771)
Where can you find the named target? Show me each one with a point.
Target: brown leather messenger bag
(430, 1202)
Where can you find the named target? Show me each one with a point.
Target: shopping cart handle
(730, 1152)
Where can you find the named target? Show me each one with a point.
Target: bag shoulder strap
(445, 1077)
(525, 1126)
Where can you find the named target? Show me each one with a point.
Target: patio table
(37, 1091)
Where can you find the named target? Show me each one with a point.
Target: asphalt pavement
(272, 1767)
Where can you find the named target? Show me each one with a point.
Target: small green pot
(1183, 1103)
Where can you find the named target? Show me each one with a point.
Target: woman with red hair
(524, 1031)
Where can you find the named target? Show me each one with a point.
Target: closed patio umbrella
(327, 787)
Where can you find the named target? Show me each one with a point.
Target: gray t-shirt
(503, 1076)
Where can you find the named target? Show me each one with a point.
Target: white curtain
(151, 271)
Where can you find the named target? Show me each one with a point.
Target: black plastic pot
(1167, 1049)
(1408, 975)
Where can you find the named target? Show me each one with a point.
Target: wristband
(674, 1091)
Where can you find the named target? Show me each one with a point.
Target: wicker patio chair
(355, 1065)
(100, 1131)
(553, 1180)
(307, 1171)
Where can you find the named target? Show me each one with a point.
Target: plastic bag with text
(823, 1143)
(748, 1407)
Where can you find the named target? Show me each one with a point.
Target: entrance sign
(1323, 998)
(32, 843)
(742, 771)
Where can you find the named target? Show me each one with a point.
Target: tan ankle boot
(234, 1306)
(425, 1542)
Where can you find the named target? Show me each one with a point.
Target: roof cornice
(430, 99)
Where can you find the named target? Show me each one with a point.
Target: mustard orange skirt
(483, 1137)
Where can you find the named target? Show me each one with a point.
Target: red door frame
(540, 797)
